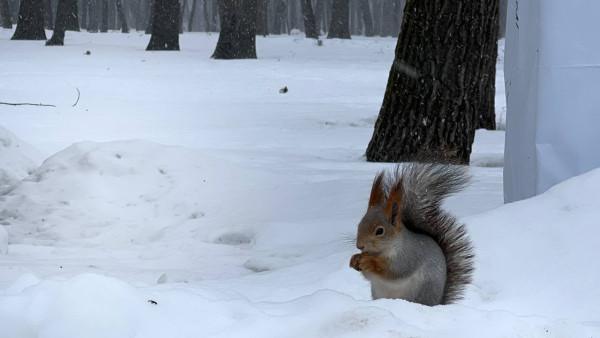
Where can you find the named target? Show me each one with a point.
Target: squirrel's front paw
(354, 262)
(369, 263)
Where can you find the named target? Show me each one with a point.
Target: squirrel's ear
(377, 194)
(393, 207)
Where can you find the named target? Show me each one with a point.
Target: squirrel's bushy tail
(425, 185)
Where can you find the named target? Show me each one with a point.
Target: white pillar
(552, 74)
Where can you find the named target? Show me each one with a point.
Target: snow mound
(122, 193)
(17, 159)
(540, 256)
(91, 305)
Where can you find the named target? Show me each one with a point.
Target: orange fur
(395, 198)
(376, 265)
(377, 191)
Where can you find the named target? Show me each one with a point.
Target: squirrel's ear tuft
(393, 207)
(377, 192)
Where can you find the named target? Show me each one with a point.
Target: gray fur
(430, 258)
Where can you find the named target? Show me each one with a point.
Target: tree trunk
(237, 39)
(339, 27)
(30, 25)
(183, 5)
(165, 26)
(122, 18)
(93, 16)
(443, 75)
(72, 19)
(62, 13)
(366, 17)
(104, 22)
(5, 14)
(192, 14)
(279, 22)
(48, 19)
(502, 19)
(310, 24)
(84, 14)
(151, 17)
(262, 27)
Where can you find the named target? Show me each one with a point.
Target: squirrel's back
(424, 186)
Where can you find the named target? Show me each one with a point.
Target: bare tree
(122, 17)
(30, 25)
(443, 75)
(237, 39)
(310, 24)
(165, 26)
(63, 11)
(339, 28)
(5, 14)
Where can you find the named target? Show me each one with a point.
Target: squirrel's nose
(360, 247)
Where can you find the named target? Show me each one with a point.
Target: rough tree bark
(72, 19)
(5, 14)
(122, 18)
(237, 39)
(367, 18)
(339, 27)
(310, 24)
(262, 27)
(30, 25)
(60, 24)
(165, 26)
(443, 74)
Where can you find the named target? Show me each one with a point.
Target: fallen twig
(28, 104)
(78, 96)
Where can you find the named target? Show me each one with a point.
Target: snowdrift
(162, 210)
(17, 159)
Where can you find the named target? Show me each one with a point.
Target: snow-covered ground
(186, 197)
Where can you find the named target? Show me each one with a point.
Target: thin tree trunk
(62, 17)
(262, 27)
(310, 24)
(30, 25)
(140, 15)
(84, 14)
(339, 27)
(181, 13)
(237, 39)
(165, 26)
(192, 14)
(279, 17)
(122, 18)
(367, 19)
(151, 17)
(104, 22)
(48, 19)
(5, 14)
(92, 16)
(443, 74)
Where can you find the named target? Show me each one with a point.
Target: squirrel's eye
(379, 231)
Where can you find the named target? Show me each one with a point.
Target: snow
(185, 197)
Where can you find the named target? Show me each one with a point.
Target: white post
(552, 74)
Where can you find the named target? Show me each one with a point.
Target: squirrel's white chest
(404, 288)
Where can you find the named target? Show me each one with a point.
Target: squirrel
(410, 248)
